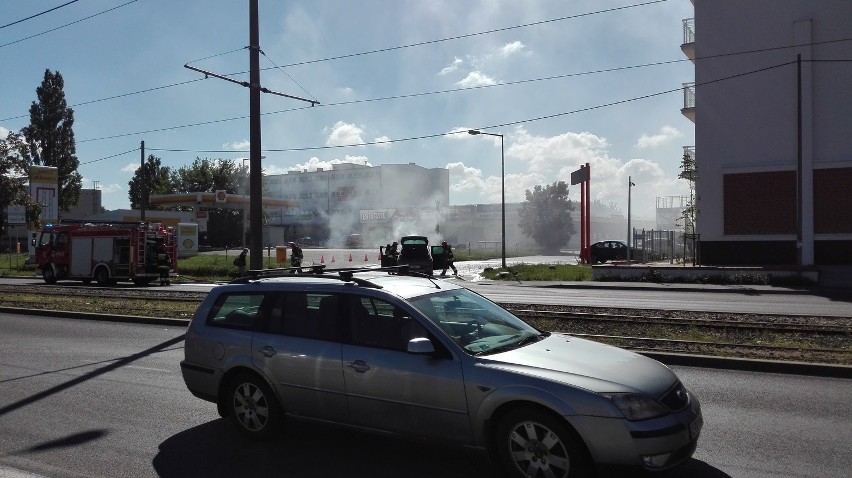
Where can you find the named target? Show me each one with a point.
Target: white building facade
(772, 106)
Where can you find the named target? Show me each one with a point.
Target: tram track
(779, 337)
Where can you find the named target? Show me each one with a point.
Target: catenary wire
(38, 14)
(68, 24)
(351, 55)
(501, 125)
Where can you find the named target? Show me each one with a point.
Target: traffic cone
(350, 257)
(365, 257)
(322, 259)
(332, 258)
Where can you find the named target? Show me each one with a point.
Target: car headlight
(636, 406)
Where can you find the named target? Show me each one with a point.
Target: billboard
(44, 189)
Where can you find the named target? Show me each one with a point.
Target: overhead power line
(134, 150)
(351, 55)
(37, 14)
(68, 24)
(501, 125)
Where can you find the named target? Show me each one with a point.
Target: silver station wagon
(427, 358)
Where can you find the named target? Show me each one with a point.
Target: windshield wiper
(524, 341)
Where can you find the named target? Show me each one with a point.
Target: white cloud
(238, 145)
(130, 168)
(4, 132)
(457, 62)
(459, 132)
(344, 133)
(111, 189)
(666, 135)
(468, 179)
(510, 49)
(346, 91)
(315, 163)
(476, 78)
(548, 155)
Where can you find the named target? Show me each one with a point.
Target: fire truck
(106, 253)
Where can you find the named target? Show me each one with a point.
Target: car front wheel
(531, 443)
(253, 407)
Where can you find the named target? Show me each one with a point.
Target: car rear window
(236, 310)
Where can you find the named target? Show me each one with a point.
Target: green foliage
(14, 161)
(224, 225)
(50, 137)
(151, 178)
(546, 216)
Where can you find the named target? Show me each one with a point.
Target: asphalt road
(104, 399)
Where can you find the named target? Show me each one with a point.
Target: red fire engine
(106, 253)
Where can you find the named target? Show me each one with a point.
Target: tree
(224, 225)
(150, 178)
(546, 216)
(690, 173)
(50, 137)
(14, 164)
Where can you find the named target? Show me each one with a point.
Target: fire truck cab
(106, 253)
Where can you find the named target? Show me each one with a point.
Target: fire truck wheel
(49, 276)
(102, 277)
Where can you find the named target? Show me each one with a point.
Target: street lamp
(502, 187)
(629, 230)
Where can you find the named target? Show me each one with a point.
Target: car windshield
(478, 325)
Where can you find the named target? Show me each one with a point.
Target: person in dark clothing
(448, 250)
(240, 262)
(163, 265)
(296, 255)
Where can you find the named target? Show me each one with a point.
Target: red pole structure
(582, 220)
(588, 213)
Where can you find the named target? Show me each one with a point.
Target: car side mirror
(420, 346)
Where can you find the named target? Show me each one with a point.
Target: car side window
(306, 315)
(380, 324)
(236, 310)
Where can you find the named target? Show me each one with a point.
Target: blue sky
(474, 64)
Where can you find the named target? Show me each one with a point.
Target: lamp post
(629, 230)
(502, 188)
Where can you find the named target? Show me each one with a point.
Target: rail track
(813, 339)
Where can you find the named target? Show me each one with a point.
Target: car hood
(586, 364)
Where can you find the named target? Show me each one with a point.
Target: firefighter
(163, 265)
(296, 255)
(449, 259)
(394, 253)
(240, 262)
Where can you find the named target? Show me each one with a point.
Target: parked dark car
(416, 253)
(353, 240)
(603, 251)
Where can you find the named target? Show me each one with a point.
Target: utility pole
(143, 191)
(255, 172)
(255, 178)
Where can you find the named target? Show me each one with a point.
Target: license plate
(695, 427)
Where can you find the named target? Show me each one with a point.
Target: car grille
(677, 398)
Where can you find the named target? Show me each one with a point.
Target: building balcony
(688, 109)
(688, 45)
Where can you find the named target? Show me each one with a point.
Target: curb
(669, 288)
(703, 361)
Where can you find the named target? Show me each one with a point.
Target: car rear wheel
(253, 408)
(532, 443)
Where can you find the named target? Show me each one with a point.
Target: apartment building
(772, 109)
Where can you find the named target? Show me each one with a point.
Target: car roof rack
(320, 271)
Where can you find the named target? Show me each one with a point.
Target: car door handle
(268, 351)
(359, 366)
